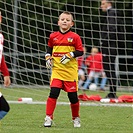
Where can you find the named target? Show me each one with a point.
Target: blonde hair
(68, 13)
(94, 50)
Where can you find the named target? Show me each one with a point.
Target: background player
(81, 69)
(95, 66)
(63, 48)
(4, 107)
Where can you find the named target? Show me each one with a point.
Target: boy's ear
(72, 23)
(58, 23)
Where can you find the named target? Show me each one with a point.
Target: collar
(109, 8)
(65, 32)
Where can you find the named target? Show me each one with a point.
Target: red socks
(75, 110)
(50, 106)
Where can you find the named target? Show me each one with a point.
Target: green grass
(29, 118)
(41, 94)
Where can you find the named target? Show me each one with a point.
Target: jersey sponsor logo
(59, 54)
(70, 40)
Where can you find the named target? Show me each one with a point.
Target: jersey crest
(70, 39)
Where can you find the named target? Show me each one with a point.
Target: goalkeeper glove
(66, 58)
(48, 61)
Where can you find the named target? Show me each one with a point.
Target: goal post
(27, 25)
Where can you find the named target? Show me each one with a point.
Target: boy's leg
(51, 101)
(103, 82)
(71, 89)
(4, 106)
(50, 106)
(82, 78)
(96, 80)
(56, 86)
(87, 82)
(73, 98)
(80, 83)
(89, 79)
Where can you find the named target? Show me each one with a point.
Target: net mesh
(26, 26)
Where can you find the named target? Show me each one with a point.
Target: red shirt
(80, 62)
(95, 62)
(3, 66)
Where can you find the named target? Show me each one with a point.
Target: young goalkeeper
(63, 48)
(4, 107)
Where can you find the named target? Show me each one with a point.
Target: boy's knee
(82, 77)
(54, 92)
(73, 98)
(5, 106)
(90, 78)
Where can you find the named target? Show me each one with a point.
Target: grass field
(29, 118)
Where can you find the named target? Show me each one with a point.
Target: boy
(63, 48)
(4, 107)
(94, 62)
(81, 69)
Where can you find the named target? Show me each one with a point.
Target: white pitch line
(82, 104)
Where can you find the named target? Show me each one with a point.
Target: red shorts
(67, 86)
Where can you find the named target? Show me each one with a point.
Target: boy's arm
(48, 57)
(4, 68)
(49, 53)
(5, 72)
(77, 53)
(87, 61)
(49, 50)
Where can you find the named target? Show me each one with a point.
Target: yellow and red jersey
(63, 43)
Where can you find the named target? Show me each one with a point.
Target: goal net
(26, 26)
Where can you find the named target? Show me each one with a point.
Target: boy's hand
(88, 63)
(7, 81)
(66, 58)
(48, 61)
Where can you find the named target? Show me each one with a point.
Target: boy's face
(104, 5)
(65, 22)
(94, 51)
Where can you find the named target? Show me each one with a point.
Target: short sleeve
(78, 43)
(50, 41)
(88, 59)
